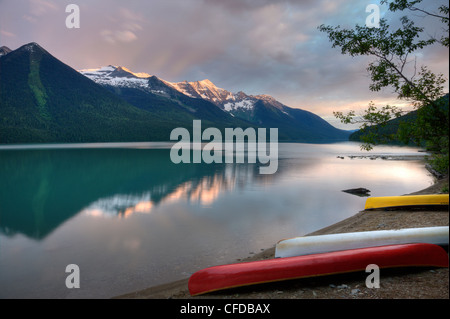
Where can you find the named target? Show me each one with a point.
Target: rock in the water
(358, 191)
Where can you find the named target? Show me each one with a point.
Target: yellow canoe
(409, 200)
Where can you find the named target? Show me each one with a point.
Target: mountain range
(44, 100)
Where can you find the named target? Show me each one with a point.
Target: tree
(395, 66)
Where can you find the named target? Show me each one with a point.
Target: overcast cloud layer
(257, 46)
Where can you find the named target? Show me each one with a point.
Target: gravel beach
(401, 283)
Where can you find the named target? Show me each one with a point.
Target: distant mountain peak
(204, 89)
(4, 50)
(32, 47)
(138, 75)
(117, 76)
(117, 71)
(32, 44)
(206, 82)
(121, 76)
(264, 97)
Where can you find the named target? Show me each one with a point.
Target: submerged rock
(363, 192)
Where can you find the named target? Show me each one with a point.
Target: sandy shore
(423, 283)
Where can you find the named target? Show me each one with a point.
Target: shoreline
(426, 283)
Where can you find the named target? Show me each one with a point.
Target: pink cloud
(40, 7)
(7, 34)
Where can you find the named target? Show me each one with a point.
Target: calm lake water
(130, 218)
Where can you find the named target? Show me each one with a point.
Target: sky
(256, 46)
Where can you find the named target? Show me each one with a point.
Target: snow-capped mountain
(224, 99)
(112, 103)
(151, 93)
(119, 76)
(122, 77)
(203, 97)
(204, 89)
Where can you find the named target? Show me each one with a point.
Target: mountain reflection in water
(130, 218)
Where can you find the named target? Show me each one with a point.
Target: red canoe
(256, 272)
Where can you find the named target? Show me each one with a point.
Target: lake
(131, 219)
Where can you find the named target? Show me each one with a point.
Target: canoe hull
(333, 242)
(250, 273)
(406, 201)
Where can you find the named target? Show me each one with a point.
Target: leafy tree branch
(395, 66)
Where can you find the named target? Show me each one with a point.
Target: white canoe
(307, 245)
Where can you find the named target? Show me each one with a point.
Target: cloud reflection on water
(132, 219)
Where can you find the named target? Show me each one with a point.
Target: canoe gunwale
(306, 245)
(231, 276)
(424, 201)
(314, 276)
